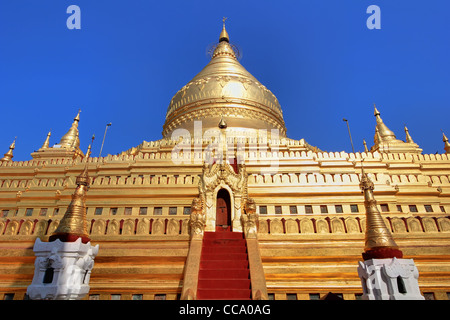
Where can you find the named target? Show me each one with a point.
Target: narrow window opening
(291, 296)
(401, 285)
(314, 296)
(85, 275)
(48, 275)
(8, 296)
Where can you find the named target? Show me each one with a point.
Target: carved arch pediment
(214, 175)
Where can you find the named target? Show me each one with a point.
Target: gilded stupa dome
(224, 90)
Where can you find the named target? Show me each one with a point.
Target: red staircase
(224, 271)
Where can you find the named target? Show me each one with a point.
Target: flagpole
(350, 135)
(104, 136)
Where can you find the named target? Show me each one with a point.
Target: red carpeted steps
(224, 271)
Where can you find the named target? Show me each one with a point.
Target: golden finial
(365, 146)
(13, 144)
(376, 112)
(77, 118)
(88, 152)
(74, 224)
(379, 242)
(224, 34)
(9, 155)
(408, 136)
(222, 123)
(446, 143)
(47, 140)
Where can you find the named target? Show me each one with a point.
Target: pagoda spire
(446, 143)
(9, 155)
(386, 142)
(224, 48)
(384, 273)
(71, 139)
(384, 131)
(224, 34)
(68, 146)
(408, 136)
(74, 224)
(47, 141)
(379, 243)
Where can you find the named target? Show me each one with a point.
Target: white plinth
(62, 270)
(389, 279)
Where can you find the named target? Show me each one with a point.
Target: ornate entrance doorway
(223, 211)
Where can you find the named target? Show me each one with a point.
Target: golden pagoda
(379, 243)
(68, 147)
(226, 206)
(224, 88)
(386, 141)
(74, 224)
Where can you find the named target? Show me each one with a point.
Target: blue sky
(130, 57)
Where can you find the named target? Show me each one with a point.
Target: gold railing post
(257, 277)
(192, 268)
